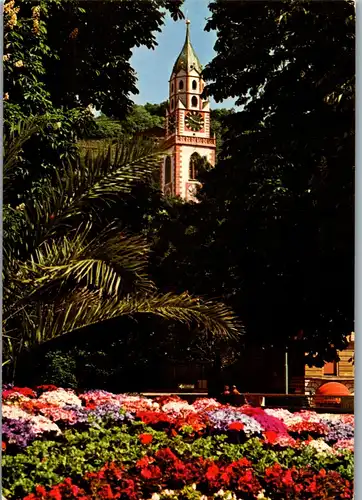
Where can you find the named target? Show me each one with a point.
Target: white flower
(43, 424)
(320, 446)
(61, 397)
(227, 495)
(155, 496)
(178, 407)
(261, 496)
(10, 411)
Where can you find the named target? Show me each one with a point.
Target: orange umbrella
(331, 389)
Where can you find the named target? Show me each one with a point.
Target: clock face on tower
(194, 121)
(171, 124)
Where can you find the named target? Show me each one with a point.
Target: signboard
(347, 403)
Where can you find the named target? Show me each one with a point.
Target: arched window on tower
(194, 84)
(171, 87)
(171, 103)
(181, 85)
(194, 102)
(168, 170)
(193, 166)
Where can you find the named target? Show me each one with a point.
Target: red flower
(243, 462)
(154, 418)
(166, 455)
(312, 487)
(143, 462)
(288, 479)
(55, 494)
(91, 406)
(3, 445)
(225, 477)
(240, 475)
(212, 472)
(151, 472)
(47, 388)
(40, 490)
(271, 436)
(105, 492)
(24, 391)
(145, 438)
(236, 426)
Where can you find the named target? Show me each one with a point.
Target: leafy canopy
(277, 210)
(63, 58)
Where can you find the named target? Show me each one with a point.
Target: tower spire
(187, 31)
(187, 59)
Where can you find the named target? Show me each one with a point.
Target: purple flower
(221, 419)
(339, 431)
(18, 432)
(110, 412)
(81, 414)
(103, 413)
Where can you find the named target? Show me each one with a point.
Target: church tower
(187, 125)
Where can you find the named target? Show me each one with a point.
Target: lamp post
(286, 368)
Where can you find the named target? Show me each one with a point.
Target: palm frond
(111, 263)
(214, 317)
(17, 136)
(79, 185)
(84, 308)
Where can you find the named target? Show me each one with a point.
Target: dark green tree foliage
(77, 53)
(62, 56)
(157, 109)
(218, 125)
(274, 232)
(103, 128)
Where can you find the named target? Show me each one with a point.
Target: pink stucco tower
(187, 125)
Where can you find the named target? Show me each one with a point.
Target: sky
(153, 67)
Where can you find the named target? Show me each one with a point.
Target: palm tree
(60, 275)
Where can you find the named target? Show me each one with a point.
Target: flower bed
(58, 444)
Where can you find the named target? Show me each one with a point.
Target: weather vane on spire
(187, 19)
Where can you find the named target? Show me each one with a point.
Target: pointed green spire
(187, 60)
